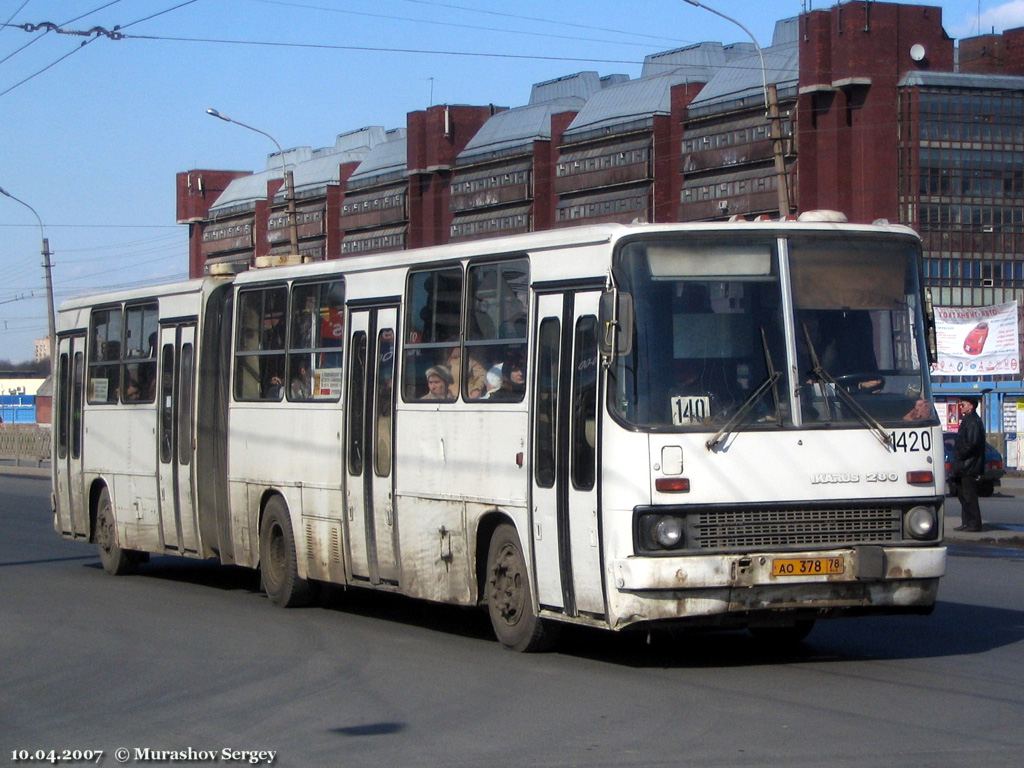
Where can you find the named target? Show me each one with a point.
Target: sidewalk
(9, 468)
(998, 534)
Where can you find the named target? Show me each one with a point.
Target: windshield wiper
(772, 373)
(752, 400)
(858, 410)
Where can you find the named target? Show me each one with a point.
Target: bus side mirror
(615, 315)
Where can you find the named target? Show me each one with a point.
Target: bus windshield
(712, 343)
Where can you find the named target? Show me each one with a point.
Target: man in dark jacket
(969, 463)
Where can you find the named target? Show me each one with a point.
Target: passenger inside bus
(274, 386)
(476, 375)
(439, 379)
(299, 389)
(513, 380)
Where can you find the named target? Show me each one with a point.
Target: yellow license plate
(808, 566)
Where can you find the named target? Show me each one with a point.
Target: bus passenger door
(72, 517)
(565, 526)
(372, 533)
(176, 404)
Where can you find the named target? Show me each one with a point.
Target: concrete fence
(24, 445)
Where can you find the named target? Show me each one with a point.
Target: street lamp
(771, 105)
(289, 178)
(46, 272)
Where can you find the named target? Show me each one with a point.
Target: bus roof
(591, 234)
(180, 287)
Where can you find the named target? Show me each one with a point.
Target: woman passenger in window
(439, 379)
(476, 384)
(513, 380)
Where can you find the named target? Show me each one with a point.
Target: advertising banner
(977, 341)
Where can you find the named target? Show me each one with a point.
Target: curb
(992, 535)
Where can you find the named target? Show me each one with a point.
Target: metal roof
(963, 80)
(518, 127)
(323, 167)
(627, 102)
(388, 157)
(742, 77)
(245, 190)
(580, 85)
(700, 60)
(315, 169)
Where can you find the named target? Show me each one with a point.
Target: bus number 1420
(911, 441)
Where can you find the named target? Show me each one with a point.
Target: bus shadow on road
(204, 573)
(455, 620)
(954, 629)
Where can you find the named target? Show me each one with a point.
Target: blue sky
(93, 141)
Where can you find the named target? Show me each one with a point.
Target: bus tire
(279, 572)
(509, 598)
(115, 561)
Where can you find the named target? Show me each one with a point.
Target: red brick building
(882, 116)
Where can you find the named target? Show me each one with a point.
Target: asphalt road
(188, 655)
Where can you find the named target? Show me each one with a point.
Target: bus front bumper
(861, 579)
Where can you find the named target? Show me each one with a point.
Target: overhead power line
(379, 49)
(533, 18)
(94, 34)
(434, 22)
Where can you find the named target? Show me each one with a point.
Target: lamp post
(771, 105)
(289, 178)
(46, 273)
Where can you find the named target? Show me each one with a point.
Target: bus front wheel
(115, 561)
(279, 571)
(509, 599)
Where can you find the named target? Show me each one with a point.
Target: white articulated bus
(724, 425)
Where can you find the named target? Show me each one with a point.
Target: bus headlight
(668, 532)
(661, 532)
(920, 523)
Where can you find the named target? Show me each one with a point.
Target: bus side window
(496, 331)
(77, 374)
(584, 403)
(63, 392)
(167, 405)
(432, 329)
(316, 337)
(104, 355)
(546, 411)
(260, 344)
(356, 403)
(139, 368)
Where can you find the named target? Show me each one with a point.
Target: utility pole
(46, 272)
(771, 106)
(781, 180)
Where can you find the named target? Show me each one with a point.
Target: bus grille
(741, 528)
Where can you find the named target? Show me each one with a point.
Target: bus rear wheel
(279, 572)
(509, 599)
(115, 561)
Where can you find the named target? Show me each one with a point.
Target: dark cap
(969, 399)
